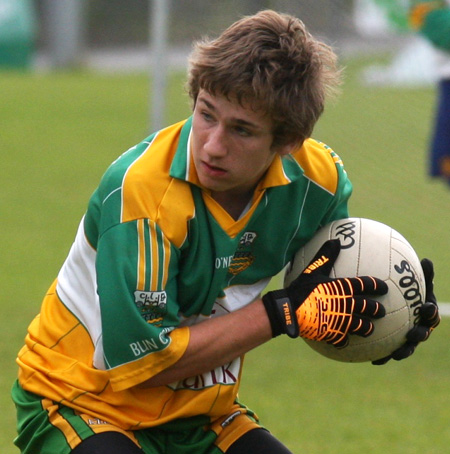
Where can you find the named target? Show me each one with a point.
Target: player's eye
(244, 132)
(206, 116)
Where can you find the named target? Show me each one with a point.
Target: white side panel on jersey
(77, 289)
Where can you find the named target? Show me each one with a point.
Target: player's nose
(216, 143)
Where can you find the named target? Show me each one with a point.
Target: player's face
(231, 145)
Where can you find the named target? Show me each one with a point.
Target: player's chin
(214, 183)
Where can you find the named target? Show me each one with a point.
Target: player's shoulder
(139, 185)
(320, 164)
(115, 173)
(152, 156)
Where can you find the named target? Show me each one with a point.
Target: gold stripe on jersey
(66, 424)
(57, 420)
(141, 255)
(166, 256)
(154, 246)
(319, 164)
(154, 252)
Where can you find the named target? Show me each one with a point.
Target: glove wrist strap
(281, 314)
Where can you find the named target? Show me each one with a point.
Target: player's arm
(218, 341)
(314, 306)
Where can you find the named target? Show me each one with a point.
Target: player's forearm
(218, 341)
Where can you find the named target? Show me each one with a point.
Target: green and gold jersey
(155, 254)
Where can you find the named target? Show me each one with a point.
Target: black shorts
(257, 441)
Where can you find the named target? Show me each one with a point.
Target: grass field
(59, 132)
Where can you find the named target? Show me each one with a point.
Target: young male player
(139, 343)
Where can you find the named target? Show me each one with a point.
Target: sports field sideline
(444, 309)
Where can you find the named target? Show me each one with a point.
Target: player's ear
(287, 148)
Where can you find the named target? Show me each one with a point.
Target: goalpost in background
(158, 22)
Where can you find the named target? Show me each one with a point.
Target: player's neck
(233, 204)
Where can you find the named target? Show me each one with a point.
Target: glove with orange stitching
(315, 306)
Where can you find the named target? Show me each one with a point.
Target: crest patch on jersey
(243, 257)
(152, 305)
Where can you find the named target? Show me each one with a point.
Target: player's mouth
(212, 170)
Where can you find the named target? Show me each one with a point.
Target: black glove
(315, 306)
(429, 318)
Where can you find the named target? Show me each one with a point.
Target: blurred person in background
(432, 20)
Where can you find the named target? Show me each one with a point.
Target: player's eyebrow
(237, 120)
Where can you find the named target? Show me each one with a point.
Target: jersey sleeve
(136, 270)
(338, 208)
(322, 166)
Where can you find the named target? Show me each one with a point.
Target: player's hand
(315, 306)
(429, 318)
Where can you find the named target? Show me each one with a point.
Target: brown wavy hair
(271, 61)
